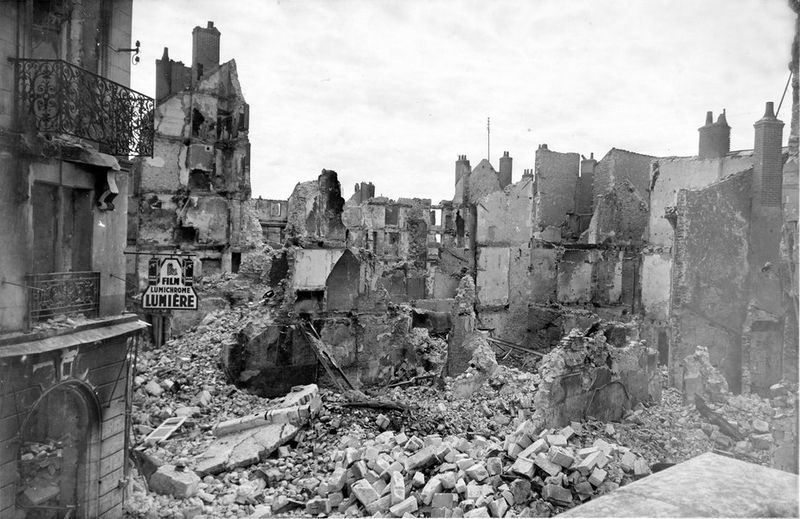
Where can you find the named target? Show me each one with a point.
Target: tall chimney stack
(504, 175)
(205, 50)
(715, 137)
(768, 159)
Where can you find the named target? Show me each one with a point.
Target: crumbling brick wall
(601, 375)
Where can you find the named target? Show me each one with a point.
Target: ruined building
(192, 196)
(68, 123)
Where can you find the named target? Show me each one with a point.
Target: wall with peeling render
(710, 269)
(655, 291)
(671, 174)
(620, 216)
(619, 166)
(556, 177)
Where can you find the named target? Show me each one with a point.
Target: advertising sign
(169, 285)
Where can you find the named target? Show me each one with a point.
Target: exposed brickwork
(768, 160)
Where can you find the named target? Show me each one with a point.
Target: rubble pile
(434, 453)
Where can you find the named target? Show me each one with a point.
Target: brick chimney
(171, 76)
(715, 137)
(462, 167)
(768, 160)
(205, 50)
(504, 175)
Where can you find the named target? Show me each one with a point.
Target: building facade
(68, 125)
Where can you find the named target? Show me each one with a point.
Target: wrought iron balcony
(55, 96)
(63, 293)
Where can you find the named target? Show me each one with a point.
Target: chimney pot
(210, 25)
(165, 56)
(769, 112)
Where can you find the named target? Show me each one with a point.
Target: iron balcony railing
(55, 96)
(63, 293)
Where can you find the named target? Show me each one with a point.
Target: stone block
(567, 432)
(762, 442)
(448, 480)
(168, 480)
(477, 472)
(494, 466)
(640, 467)
(521, 491)
(556, 440)
(464, 463)
(364, 492)
(407, 506)
(397, 488)
(477, 512)
(498, 507)
(560, 456)
(433, 486)
(420, 460)
(444, 500)
(546, 465)
(627, 461)
(419, 479)
(523, 467)
(379, 506)
(557, 495)
(317, 505)
(597, 477)
(337, 480)
(461, 486)
(359, 469)
(591, 461)
(584, 490)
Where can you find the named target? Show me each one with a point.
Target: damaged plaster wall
(672, 174)
(710, 270)
(621, 166)
(620, 216)
(556, 177)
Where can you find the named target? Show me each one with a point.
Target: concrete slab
(244, 448)
(709, 485)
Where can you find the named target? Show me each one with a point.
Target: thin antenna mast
(488, 141)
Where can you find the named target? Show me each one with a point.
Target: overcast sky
(393, 91)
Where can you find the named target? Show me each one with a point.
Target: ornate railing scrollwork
(63, 293)
(58, 97)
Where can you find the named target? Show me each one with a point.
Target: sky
(392, 92)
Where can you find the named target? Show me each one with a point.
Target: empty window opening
(236, 261)
(185, 235)
(199, 180)
(198, 130)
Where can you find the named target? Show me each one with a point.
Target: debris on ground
(428, 452)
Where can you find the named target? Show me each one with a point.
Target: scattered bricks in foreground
(557, 495)
(597, 477)
(168, 480)
(546, 465)
(560, 456)
(448, 480)
(494, 466)
(640, 467)
(383, 422)
(421, 459)
(433, 486)
(556, 440)
(477, 472)
(498, 507)
(567, 432)
(584, 490)
(317, 506)
(591, 461)
(627, 461)
(477, 512)
(397, 488)
(379, 506)
(364, 492)
(407, 506)
(521, 491)
(523, 467)
(419, 479)
(444, 500)
(534, 448)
